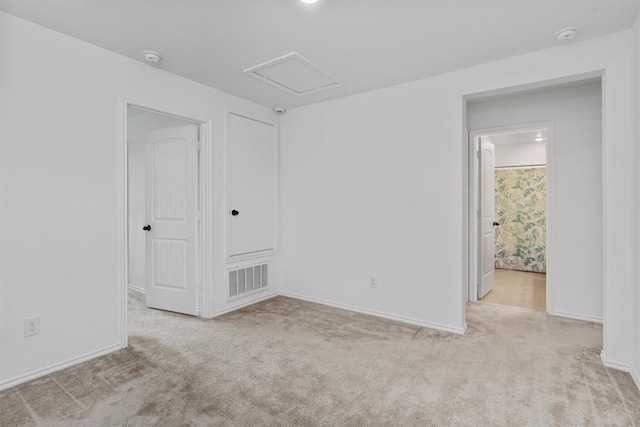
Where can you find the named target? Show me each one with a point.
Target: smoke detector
(566, 34)
(152, 56)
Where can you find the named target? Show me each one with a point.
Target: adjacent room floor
(519, 289)
(291, 363)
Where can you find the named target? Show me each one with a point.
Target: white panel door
(252, 186)
(172, 164)
(487, 214)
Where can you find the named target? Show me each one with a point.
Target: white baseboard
(620, 367)
(239, 305)
(408, 320)
(636, 378)
(576, 317)
(614, 365)
(57, 367)
(138, 289)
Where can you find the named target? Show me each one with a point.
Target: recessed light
(566, 34)
(309, 1)
(152, 56)
(539, 139)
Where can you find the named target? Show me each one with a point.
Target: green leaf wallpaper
(521, 196)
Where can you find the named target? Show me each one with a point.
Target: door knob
(496, 224)
(235, 212)
(146, 228)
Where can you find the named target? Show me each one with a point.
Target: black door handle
(235, 212)
(496, 224)
(146, 228)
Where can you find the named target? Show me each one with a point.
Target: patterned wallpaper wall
(521, 196)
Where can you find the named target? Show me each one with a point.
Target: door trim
(472, 203)
(227, 207)
(204, 262)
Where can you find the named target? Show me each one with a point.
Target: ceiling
(366, 44)
(524, 137)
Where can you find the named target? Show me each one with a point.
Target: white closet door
(251, 186)
(171, 213)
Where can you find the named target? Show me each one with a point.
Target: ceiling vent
(294, 74)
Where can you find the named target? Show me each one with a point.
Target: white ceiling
(366, 44)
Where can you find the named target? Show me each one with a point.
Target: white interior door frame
(473, 186)
(205, 195)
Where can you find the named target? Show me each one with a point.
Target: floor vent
(244, 280)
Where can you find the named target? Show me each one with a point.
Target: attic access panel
(294, 74)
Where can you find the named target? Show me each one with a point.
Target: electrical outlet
(32, 326)
(373, 283)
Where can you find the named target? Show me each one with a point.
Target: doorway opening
(510, 228)
(164, 233)
(571, 115)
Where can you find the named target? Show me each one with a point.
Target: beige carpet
(285, 362)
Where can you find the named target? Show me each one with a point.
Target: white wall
(373, 184)
(61, 210)
(575, 254)
(635, 366)
(532, 153)
(137, 126)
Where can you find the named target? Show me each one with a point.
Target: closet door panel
(252, 183)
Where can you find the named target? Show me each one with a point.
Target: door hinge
(198, 215)
(198, 146)
(477, 154)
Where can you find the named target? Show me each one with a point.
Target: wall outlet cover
(32, 326)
